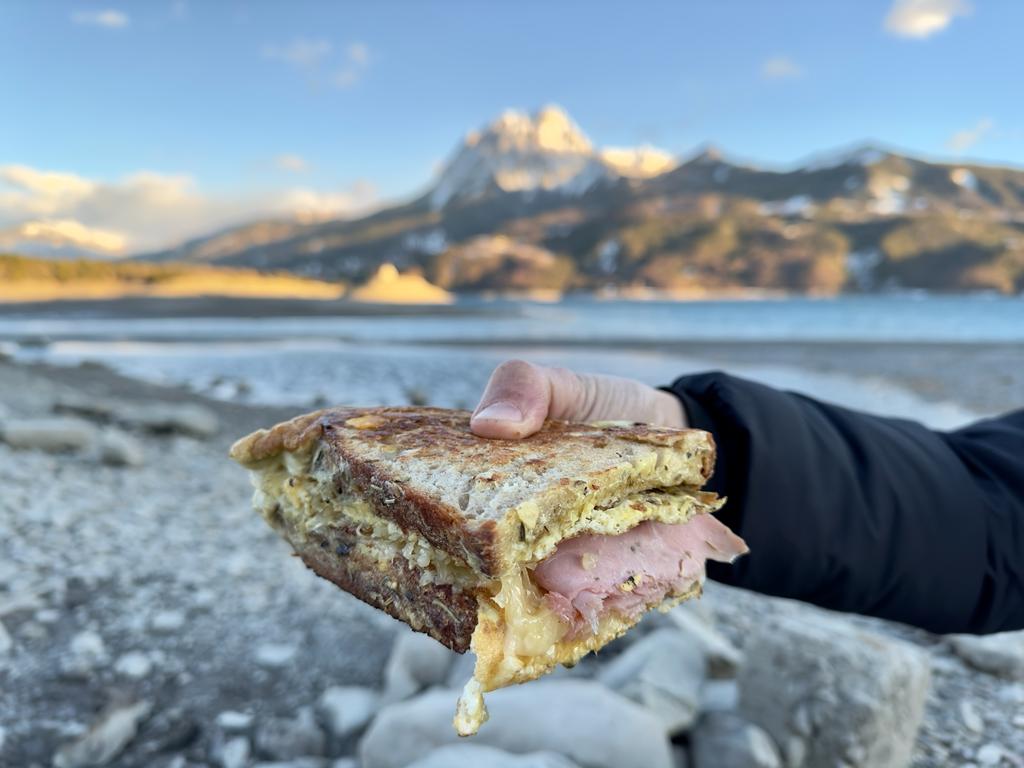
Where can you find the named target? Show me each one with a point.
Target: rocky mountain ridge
(862, 219)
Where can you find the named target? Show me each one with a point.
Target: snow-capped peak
(640, 162)
(545, 151)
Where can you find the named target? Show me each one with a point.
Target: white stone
(119, 449)
(345, 762)
(971, 718)
(991, 754)
(182, 418)
(664, 672)
(54, 434)
(3, 737)
(105, 739)
(343, 710)
(581, 719)
(726, 740)
(719, 696)
(275, 655)
(47, 616)
(88, 648)
(301, 762)
(167, 621)
(232, 722)
(1000, 654)
(864, 693)
(134, 664)
(477, 756)
(417, 661)
(234, 753)
(723, 657)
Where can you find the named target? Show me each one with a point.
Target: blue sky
(239, 104)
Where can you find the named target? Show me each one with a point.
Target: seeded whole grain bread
(460, 510)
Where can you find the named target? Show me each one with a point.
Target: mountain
(529, 203)
(545, 152)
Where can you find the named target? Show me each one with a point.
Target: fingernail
(502, 411)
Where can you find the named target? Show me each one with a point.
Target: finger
(515, 401)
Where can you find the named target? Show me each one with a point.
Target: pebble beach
(149, 618)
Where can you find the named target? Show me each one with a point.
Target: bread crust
(443, 611)
(365, 450)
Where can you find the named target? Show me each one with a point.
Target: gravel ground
(157, 584)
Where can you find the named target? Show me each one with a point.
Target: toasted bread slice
(409, 511)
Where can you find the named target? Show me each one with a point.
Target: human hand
(520, 395)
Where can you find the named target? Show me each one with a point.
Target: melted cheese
(531, 627)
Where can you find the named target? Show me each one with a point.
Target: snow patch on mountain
(639, 162)
(543, 152)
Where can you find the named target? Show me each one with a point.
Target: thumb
(520, 395)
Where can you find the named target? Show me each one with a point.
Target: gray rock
(476, 756)
(234, 753)
(664, 672)
(345, 762)
(105, 739)
(417, 661)
(280, 738)
(171, 418)
(864, 694)
(723, 658)
(302, 762)
(581, 719)
(344, 710)
(230, 721)
(53, 434)
(119, 449)
(275, 655)
(167, 622)
(1001, 654)
(133, 664)
(3, 737)
(726, 740)
(6, 644)
(719, 696)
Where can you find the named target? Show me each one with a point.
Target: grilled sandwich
(531, 553)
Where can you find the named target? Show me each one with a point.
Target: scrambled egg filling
(517, 637)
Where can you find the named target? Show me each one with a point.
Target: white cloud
(108, 17)
(313, 205)
(291, 162)
(144, 210)
(301, 53)
(780, 68)
(963, 140)
(359, 53)
(357, 59)
(923, 18)
(59, 234)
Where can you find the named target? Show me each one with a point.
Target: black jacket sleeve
(866, 514)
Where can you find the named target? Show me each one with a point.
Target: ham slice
(590, 576)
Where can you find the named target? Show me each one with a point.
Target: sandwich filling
(576, 580)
